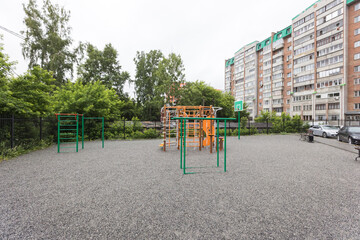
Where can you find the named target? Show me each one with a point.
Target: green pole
(77, 133)
(58, 118)
(225, 147)
(217, 142)
(82, 131)
(181, 141)
(102, 132)
(239, 125)
(184, 166)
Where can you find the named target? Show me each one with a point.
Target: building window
(357, 106)
(334, 105)
(357, 31)
(320, 106)
(357, 6)
(357, 69)
(297, 108)
(357, 19)
(289, 66)
(289, 75)
(357, 44)
(288, 92)
(357, 56)
(356, 93)
(356, 81)
(290, 48)
(287, 101)
(334, 117)
(320, 117)
(307, 107)
(289, 83)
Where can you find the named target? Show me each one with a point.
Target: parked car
(324, 130)
(349, 134)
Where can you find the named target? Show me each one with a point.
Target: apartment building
(312, 67)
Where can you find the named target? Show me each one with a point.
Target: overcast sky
(203, 32)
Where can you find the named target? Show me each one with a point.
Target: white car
(324, 130)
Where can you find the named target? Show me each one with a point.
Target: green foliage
(47, 39)
(93, 100)
(157, 81)
(8, 153)
(283, 123)
(103, 66)
(151, 133)
(199, 93)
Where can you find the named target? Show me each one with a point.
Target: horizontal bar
(67, 125)
(195, 118)
(67, 142)
(67, 147)
(93, 117)
(67, 120)
(67, 138)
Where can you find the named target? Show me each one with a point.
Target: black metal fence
(27, 132)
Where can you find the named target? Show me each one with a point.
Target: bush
(151, 133)
(138, 135)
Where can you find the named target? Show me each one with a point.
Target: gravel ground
(276, 187)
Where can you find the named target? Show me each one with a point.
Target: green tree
(6, 101)
(47, 39)
(103, 66)
(31, 93)
(170, 76)
(146, 83)
(199, 93)
(92, 99)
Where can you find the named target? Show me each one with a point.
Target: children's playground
(274, 187)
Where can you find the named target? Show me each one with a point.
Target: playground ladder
(68, 132)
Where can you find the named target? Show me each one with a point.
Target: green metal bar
(68, 125)
(239, 126)
(82, 132)
(67, 147)
(102, 132)
(181, 141)
(67, 138)
(67, 142)
(217, 143)
(184, 166)
(77, 134)
(200, 118)
(225, 147)
(58, 136)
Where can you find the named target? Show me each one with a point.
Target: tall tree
(146, 82)
(157, 80)
(103, 66)
(199, 93)
(47, 39)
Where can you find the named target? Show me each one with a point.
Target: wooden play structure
(200, 133)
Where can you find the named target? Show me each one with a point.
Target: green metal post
(184, 166)
(239, 126)
(82, 131)
(58, 118)
(217, 143)
(77, 133)
(225, 147)
(102, 132)
(181, 141)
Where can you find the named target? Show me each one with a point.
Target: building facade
(310, 68)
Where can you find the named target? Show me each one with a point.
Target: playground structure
(183, 142)
(199, 133)
(68, 130)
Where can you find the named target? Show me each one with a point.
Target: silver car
(324, 130)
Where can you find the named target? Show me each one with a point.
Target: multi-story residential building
(310, 68)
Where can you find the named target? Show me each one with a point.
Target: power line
(13, 33)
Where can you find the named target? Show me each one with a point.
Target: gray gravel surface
(276, 187)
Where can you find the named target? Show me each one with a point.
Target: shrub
(138, 135)
(151, 133)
